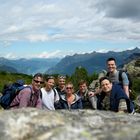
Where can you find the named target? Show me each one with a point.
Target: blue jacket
(76, 104)
(117, 93)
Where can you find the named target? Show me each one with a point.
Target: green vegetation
(136, 85)
(7, 78)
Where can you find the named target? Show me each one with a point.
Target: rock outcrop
(34, 124)
(133, 68)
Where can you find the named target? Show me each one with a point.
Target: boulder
(35, 124)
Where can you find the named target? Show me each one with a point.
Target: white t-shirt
(48, 99)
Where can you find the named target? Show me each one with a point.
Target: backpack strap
(107, 74)
(53, 91)
(120, 75)
(40, 93)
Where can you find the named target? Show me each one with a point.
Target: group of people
(111, 94)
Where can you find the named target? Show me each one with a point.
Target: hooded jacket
(63, 104)
(117, 93)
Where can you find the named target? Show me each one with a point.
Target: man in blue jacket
(112, 97)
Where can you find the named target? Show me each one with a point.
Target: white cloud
(10, 56)
(53, 54)
(37, 37)
(47, 21)
(71, 19)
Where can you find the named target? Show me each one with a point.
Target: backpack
(9, 93)
(120, 77)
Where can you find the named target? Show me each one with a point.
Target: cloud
(120, 8)
(10, 56)
(53, 54)
(37, 37)
(74, 20)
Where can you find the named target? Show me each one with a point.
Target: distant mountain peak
(93, 62)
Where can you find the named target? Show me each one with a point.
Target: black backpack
(9, 93)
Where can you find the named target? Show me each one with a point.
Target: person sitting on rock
(49, 95)
(29, 97)
(88, 101)
(113, 75)
(113, 97)
(61, 85)
(70, 100)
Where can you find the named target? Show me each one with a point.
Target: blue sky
(56, 28)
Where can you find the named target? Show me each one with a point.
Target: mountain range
(27, 66)
(93, 62)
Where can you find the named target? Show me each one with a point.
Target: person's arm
(121, 99)
(94, 93)
(125, 83)
(122, 105)
(56, 96)
(126, 89)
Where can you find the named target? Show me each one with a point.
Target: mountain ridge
(93, 62)
(27, 66)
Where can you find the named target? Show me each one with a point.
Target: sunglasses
(61, 77)
(69, 87)
(36, 81)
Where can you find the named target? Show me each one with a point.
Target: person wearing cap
(49, 95)
(113, 97)
(30, 95)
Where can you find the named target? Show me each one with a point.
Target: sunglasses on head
(69, 87)
(61, 76)
(50, 77)
(36, 81)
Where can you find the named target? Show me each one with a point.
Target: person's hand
(91, 93)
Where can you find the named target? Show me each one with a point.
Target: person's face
(111, 66)
(83, 88)
(61, 82)
(37, 82)
(50, 83)
(69, 89)
(106, 86)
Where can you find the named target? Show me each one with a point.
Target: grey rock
(34, 124)
(133, 68)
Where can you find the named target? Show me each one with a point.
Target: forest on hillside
(80, 73)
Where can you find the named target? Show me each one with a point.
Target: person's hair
(70, 83)
(38, 75)
(81, 82)
(49, 77)
(111, 59)
(104, 78)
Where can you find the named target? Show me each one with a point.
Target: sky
(56, 28)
